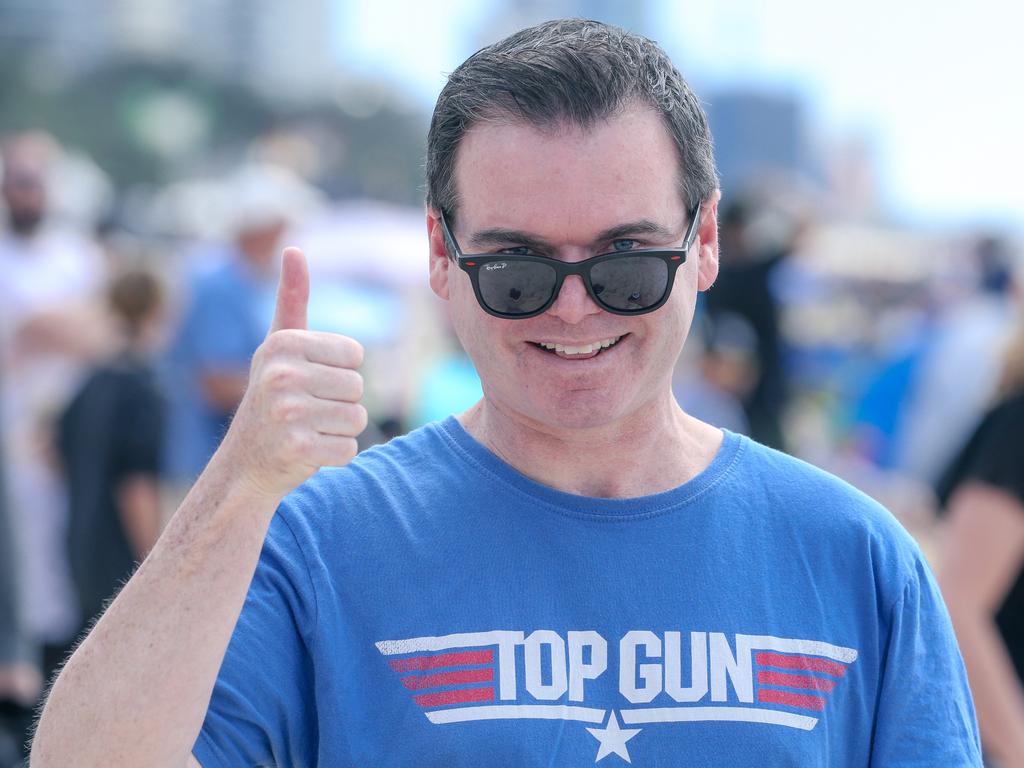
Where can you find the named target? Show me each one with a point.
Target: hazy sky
(935, 87)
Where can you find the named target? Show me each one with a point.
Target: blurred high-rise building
(757, 134)
(283, 48)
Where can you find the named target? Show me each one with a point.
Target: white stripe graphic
(731, 714)
(497, 636)
(808, 647)
(446, 642)
(506, 640)
(516, 712)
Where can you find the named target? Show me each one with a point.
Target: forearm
(984, 552)
(138, 502)
(136, 691)
(224, 390)
(998, 697)
(82, 331)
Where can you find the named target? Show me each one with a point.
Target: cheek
(671, 325)
(472, 325)
(462, 303)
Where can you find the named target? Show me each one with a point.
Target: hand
(301, 410)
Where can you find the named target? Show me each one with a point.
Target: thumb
(292, 292)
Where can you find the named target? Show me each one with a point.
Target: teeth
(585, 349)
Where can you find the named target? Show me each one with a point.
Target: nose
(573, 303)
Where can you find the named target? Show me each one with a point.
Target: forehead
(566, 181)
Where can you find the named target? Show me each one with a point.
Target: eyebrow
(500, 236)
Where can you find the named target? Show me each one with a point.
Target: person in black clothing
(743, 290)
(982, 573)
(108, 440)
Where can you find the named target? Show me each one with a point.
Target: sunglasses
(622, 282)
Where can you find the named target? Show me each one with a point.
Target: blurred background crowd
(156, 157)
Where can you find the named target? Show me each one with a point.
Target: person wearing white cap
(227, 310)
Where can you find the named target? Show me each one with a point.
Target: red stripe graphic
(418, 682)
(795, 681)
(454, 697)
(801, 700)
(419, 663)
(808, 663)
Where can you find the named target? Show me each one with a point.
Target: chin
(585, 409)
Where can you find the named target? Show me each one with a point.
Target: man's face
(24, 194)
(563, 188)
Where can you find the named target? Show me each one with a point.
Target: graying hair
(567, 71)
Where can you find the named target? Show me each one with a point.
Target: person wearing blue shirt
(572, 571)
(207, 363)
(227, 307)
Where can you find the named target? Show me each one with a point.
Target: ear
(439, 261)
(707, 238)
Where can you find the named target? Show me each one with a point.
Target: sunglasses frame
(472, 263)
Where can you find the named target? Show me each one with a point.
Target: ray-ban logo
(496, 265)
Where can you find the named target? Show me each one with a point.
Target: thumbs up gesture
(301, 408)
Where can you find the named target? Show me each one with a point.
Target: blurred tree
(146, 121)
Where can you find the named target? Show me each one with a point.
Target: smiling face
(569, 194)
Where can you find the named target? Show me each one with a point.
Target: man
(224, 321)
(571, 571)
(49, 328)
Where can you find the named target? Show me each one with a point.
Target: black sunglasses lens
(630, 282)
(516, 287)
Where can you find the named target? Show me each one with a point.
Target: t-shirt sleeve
(261, 711)
(142, 424)
(994, 455)
(925, 714)
(999, 459)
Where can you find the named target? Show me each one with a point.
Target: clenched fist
(301, 409)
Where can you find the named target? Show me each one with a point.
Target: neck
(654, 451)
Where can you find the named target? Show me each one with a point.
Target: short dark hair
(134, 295)
(574, 71)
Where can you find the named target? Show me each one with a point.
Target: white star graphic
(613, 739)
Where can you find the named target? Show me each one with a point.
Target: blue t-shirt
(227, 317)
(428, 605)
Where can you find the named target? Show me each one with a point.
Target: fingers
(333, 349)
(339, 419)
(334, 451)
(307, 433)
(292, 292)
(299, 416)
(335, 384)
(321, 347)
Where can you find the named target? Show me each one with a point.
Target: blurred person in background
(49, 328)
(109, 441)
(228, 306)
(712, 387)
(970, 335)
(448, 384)
(751, 250)
(20, 681)
(982, 566)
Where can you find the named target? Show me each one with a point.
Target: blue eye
(624, 244)
(519, 250)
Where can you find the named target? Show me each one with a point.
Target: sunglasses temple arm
(450, 245)
(691, 235)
